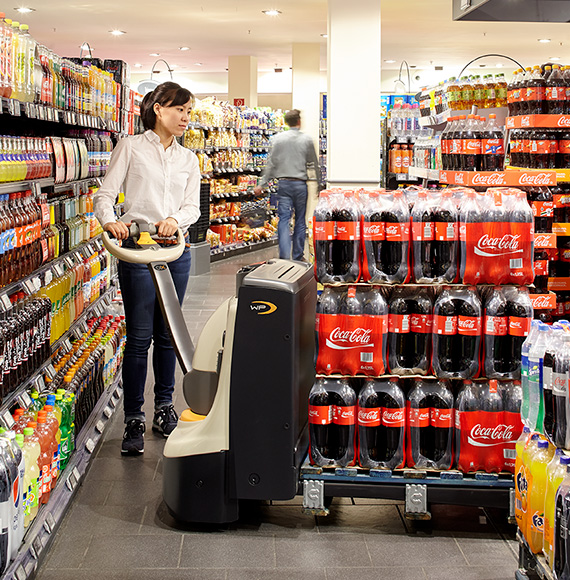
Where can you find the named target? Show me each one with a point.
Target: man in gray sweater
(291, 151)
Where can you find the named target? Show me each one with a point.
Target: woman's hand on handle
(118, 229)
(167, 227)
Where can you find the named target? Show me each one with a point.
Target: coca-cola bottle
(400, 339)
(381, 424)
(332, 405)
(542, 203)
(563, 157)
(327, 328)
(515, 148)
(497, 343)
(471, 145)
(373, 237)
(421, 326)
(512, 401)
(394, 254)
(535, 93)
(323, 237)
(520, 312)
(492, 148)
(353, 330)
(519, 228)
(555, 92)
(373, 356)
(445, 246)
(430, 425)
(423, 234)
(470, 220)
(540, 149)
(455, 153)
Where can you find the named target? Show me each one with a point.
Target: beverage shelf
(269, 131)
(36, 379)
(435, 120)
(515, 178)
(230, 250)
(544, 121)
(40, 112)
(431, 174)
(40, 535)
(562, 175)
(536, 563)
(79, 186)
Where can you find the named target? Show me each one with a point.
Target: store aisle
(118, 527)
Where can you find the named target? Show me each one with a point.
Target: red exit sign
(239, 102)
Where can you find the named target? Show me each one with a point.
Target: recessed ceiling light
(184, 48)
(544, 40)
(173, 66)
(325, 35)
(554, 58)
(154, 54)
(198, 64)
(138, 65)
(117, 32)
(85, 46)
(389, 61)
(271, 12)
(24, 10)
(499, 65)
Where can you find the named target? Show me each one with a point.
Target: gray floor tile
(125, 493)
(372, 519)
(178, 574)
(66, 574)
(322, 551)
(122, 469)
(404, 573)
(97, 520)
(470, 573)
(267, 520)
(121, 552)
(417, 551)
(227, 550)
(479, 551)
(68, 551)
(93, 492)
(275, 574)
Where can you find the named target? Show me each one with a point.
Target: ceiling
(418, 31)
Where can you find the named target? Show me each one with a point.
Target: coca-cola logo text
(536, 178)
(525, 121)
(373, 229)
(489, 436)
(543, 301)
(496, 178)
(392, 229)
(356, 338)
(564, 121)
(368, 415)
(508, 244)
(542, 240)
(393, 417)
(467, 323)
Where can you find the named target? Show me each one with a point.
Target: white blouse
(158, 183)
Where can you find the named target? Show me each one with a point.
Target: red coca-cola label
(369, 416)
(398, 232)
(446, 325)
(323, 230)
(421, 323)
(495, 178)
(492, 147)
(540, 147)
(542, 208)
(456, 147)
(394, 417)
(399, 323)
(446, 231)
(347, 231)
(553, 145)
(535, 93)
(441, 418)
(541, 267)
(469, 325)
(320, 414)
(471, 146)
(373, 231)
(343, 415)
(423, 231)
(418, 417)
(351, 333)
(519, 326)
(564, 146)
(496, 325)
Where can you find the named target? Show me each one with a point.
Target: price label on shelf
(36, 547)
(7, 419)
(25, 400)
(48, 276)
(84, 326)
(112, 402)
(41, 113)
(49, 523)
(40, 384)
(67, 344)
(100, 426)
(107, 411)
(50, 371)
(118, 393)
(58, 269)
(29, 286)
(5, 302)
(90, 445)
(71, 482)
(20, 573)
(77, 333)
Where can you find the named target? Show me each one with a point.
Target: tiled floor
(118, 527)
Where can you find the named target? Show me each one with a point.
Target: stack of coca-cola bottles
(420, 364)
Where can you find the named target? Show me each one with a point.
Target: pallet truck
(244, 435)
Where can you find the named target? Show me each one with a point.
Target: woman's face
(173, 120)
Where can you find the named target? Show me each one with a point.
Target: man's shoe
(165, 420)
(133, 439)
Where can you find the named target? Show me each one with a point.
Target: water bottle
(530, 339)
(535, 378)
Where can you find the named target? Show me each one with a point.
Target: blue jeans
(145, 324)
(291, 196)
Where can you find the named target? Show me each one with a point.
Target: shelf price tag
(100, 426)
(71, 482)
(41, 113)
(29, 286)
(5, 302)
(67, 344)
(24, 400)
(58, 270)
(107, 411)
(118, 392)
(50, 371)
(20, 573)
(49, 523)
(36, 547)
(76, 473)
(48, 276)
(77, 333)
(7, 419)
(90, 445)
(40, 384)
(112, 402)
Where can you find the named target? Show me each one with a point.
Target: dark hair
(166, 94)
(293, 117)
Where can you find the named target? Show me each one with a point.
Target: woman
(161, 182)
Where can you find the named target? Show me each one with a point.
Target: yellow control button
(189, 415)
(145, 240)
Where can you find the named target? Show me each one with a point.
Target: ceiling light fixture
(138, 65)
(544, 40)
(554, 58)
(325, 35)
(154, 54)
(271, 12)
(389, 61)
(117, 32)
(24, 10)
(184, 48)
(499, 65)
(197, 64)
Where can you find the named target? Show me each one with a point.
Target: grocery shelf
(514, 177)
(431, 174)
(229, 250)
(40, 535)
(545, 121)
(78, 185)
(531, 562)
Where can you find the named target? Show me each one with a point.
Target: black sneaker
(165, 420)
(133, 439)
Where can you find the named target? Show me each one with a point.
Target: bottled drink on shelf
(471, 145)
(500, 91)
(555, 95)
(492, 149)
(453, 94)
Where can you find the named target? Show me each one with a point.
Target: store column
(353, 102)
(242, 80)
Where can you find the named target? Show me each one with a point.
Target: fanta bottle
(555, 474)
(530, 449)
(32, 453)
(55, 434)
(536, 494)
(46, 444)
(520, 476)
